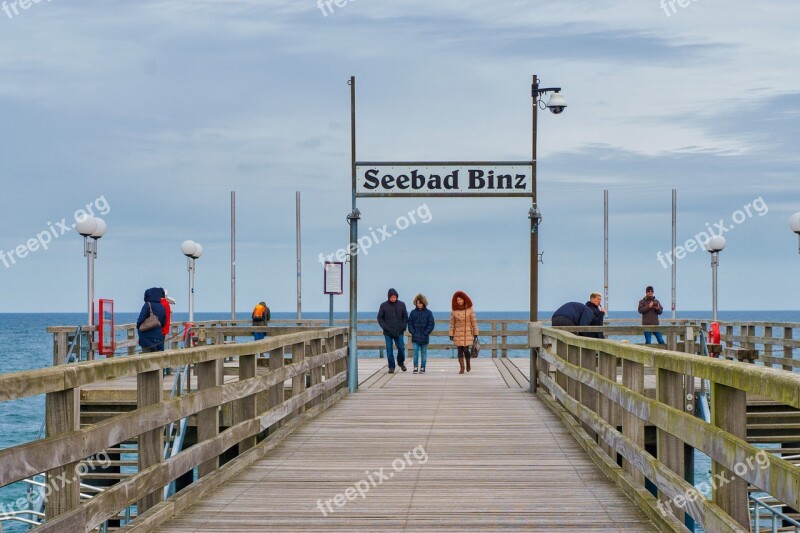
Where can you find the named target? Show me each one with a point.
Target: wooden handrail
(586, 386)
(320, 354)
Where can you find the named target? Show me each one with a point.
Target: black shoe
(391, 370)
(416, 370)
(403, 367)
(422, 370)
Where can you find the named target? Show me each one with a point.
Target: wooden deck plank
(488, 457)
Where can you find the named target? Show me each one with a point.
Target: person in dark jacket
(573, 314)
(595, 299)
(393, 319)
(152, 340)
(420, 325)
(650, 308)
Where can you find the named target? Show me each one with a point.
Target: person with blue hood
(573, 314)
(393, 319)
(152, 339)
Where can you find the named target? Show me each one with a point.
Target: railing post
(588, 360)
(494, 339)
(574, 358)
(632, 426)
(316, 373)
(689, 341)
(341, 364)
(729, 413)
(246, 410)
(787, 350)
(60, 348)
(298, 381)
(534, 342)
(504, 337)
(62, 415)
(207, 419)
(131, 336)
(562, 350)
(607, 367)
(767, 345)
(276, 391)
(151, 443)
(669, 391)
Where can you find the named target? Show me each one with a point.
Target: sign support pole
(330, 313)
(352, 218)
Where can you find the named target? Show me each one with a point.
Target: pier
(582, 434)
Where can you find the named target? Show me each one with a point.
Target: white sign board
(334, 278)
(444, 179)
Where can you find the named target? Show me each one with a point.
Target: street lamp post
(192, 251)
(92, 229)
(794, 223)
(556, 105)
(714, 246)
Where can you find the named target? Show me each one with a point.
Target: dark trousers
(561, 321)
(463, 351)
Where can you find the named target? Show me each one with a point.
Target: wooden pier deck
(484, 455)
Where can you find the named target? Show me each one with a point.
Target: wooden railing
(256, 400)
(577, 377)
(776, 344)
(499, 336)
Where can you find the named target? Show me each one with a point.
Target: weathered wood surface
(496, 458)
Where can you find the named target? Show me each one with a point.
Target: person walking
(598, 313)
(463, 328)
(650, 308)
(150, 338)
(393, 319)
(260, 317)
(420, 325)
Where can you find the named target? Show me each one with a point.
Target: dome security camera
(557, 103)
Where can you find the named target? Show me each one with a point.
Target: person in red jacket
(166, 301)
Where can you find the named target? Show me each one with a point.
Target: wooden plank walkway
(458, 453)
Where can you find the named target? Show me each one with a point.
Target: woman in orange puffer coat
(463, 327)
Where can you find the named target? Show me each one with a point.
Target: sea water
(26, 345)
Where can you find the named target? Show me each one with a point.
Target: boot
(467, 361)
(461, 364)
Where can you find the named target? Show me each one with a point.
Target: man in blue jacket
(393, 319)
(573, 314)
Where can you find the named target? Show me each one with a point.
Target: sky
(152, 112)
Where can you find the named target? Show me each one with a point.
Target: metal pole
(297, 233)
(534, 296)
(90, 249)
(191, 288)
(352, 364)
(605, 248)
(674, 245)
(714, 264)
(233, 255)
(330, 313)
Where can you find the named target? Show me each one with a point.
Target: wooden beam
(62, 415)
(246, 407)
(207, 419)
(669, 391)
(632, 425)
(729, 413)
(151, 443)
